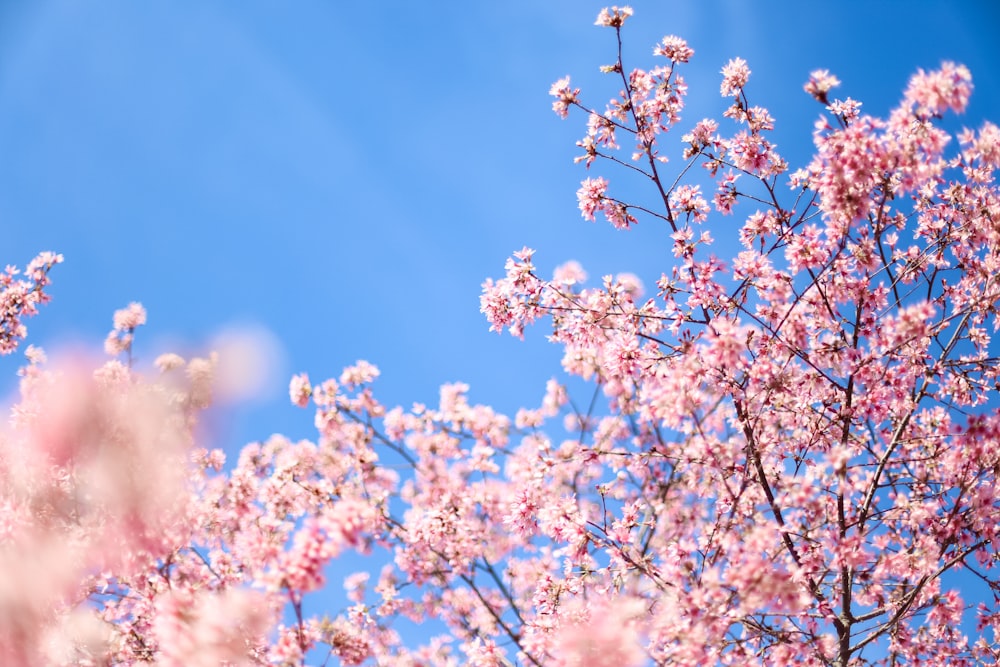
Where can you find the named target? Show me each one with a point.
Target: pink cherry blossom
(735, 75)
(674, 48)
(130, 317)
(820, 83)
(565, 96)
(779, 455)
(20, 298)
(591, 195)
(300, 390)
(613, 17)
(933, 93)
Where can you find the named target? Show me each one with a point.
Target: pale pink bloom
(130, 317)
(617, 214)
(569, 274)
(590, 196)
(293, 643)
(601, 131)
(613, 18)
(214, 459)
(300, 390)
(355, 585)
(113, 373)
(727, 346)
(758, 119)
(798, 179)
(751, 264)
(347, 524)
(735, 75)
(115, 343)
(522, 517)
(642, 83)
(806, 249)
(703, 135)
(933, 93)
(101, 465)
(39, 267)
(630, 284)
(674, 48)
(987, 145)
(169, 362)
(565, 96)
(589, 151)
(820, 83)
(21, 298)
(494, 302)
(687, 199)
(484, 653)
(39, 572)
(301, 569)
(453, 402)
(725, 196)
(348, 643)
(360, 373)
(35, 355)
(848, 109)
(126, 320)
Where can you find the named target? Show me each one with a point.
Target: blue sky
(345, 176)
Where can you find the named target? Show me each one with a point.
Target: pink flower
(130, 317)
(362, 372)
(21, 298)
(485, 653)
(735, 75)
(725, 195)
(299, 390)
(601, 131)
(522, 515)
(617, 214)
(820, 83)
(38, 268)
(168, 362)
(35, 355)
(565, 96)
(569, 274)
(355, 586)
(126, 320)
(674, 48)
(590, 196)
(687, 199)
(933, 93)
(703, 135)
(752, 153)
(115, 343)
(805, 249)
(847, 109)
(301, 568)
(613, 18)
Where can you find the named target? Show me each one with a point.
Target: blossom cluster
(20, 298)
(786, 455)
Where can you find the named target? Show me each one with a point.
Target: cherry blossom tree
(789, 457)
